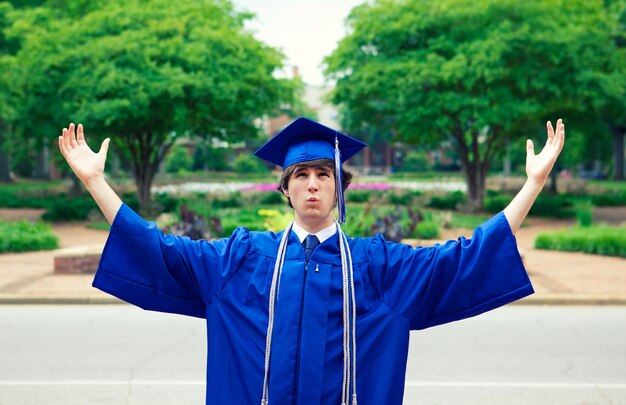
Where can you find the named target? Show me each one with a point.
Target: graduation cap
(304, 140)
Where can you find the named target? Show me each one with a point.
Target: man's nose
(312, 186)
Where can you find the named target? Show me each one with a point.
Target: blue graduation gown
(397, 287)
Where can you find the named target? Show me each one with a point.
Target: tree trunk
(553, 181)
(5, 166)
(387, 158)
(42, 163)
(506, 164)
(618, 153)
(476, 185)
(144, 175)
(146, 153)
(367, 160)
(475, 170)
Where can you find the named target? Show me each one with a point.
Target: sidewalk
(558, 278)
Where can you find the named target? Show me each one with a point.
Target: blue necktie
(310, 243)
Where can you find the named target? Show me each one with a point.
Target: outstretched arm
(89, 168)
(538, 168)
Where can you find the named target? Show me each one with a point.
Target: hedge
(23, 236)
(601, 240)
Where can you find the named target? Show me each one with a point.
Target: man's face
(312, 194)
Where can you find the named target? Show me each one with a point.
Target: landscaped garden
(382, 206)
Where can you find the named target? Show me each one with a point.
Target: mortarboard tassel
(341, 202)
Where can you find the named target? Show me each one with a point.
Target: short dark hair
(283, 183)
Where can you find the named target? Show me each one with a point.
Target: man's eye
(301, 174)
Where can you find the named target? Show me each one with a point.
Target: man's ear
(285, 192)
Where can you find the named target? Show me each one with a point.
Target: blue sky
(306, 31)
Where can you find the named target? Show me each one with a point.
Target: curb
(15, 299)
(551, 299)
(573, 299)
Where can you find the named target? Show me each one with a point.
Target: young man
(309, 315)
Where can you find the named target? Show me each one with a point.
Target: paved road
(122, 355)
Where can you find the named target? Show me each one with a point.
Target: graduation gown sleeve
(166, 273)
(458, 279)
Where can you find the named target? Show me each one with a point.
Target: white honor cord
(346, 321)
(349, 328)
(353, 322)
(349, 316)
(278, 267)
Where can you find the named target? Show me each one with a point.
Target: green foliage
(227, 200)
(245, 163)
(601, 240)
(142, 72)
(270, 198)
(404, 197)
(427, 230)
(207, 157)
(178, 160)
(275, 220)
(360, 196)
(22, 236)
(69, 208)
(449, 201)
(555, 206)
(497, 202)
(609, 185)
(584, 213)
(546, 205)
(465, 221)
(482, 75)
(22, 199)
(415, 162)
(610, 199)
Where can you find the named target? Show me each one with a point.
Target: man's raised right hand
(86, 164)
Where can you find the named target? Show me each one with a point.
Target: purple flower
(262, 187)
(371, 186)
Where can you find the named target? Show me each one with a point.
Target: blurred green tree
(144, 73)
(484, 74)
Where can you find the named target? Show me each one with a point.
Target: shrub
(496, 203)
(415, 162)
(448, 201)
(195, 226)
(554, 206)
(602, 240)
(178, 160)
(22, 236)
(274, 198)
(229, 200)
(276, 220)
(427, 230)
(210, 158)
(359, 196)
(403, 197)
(546, 205)
(245, 163)
(584, 213)
(69, 209)
(165, 202)
(24, 198)
(614, 199)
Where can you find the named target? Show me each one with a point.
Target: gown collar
(321, 235)
(327, 252)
